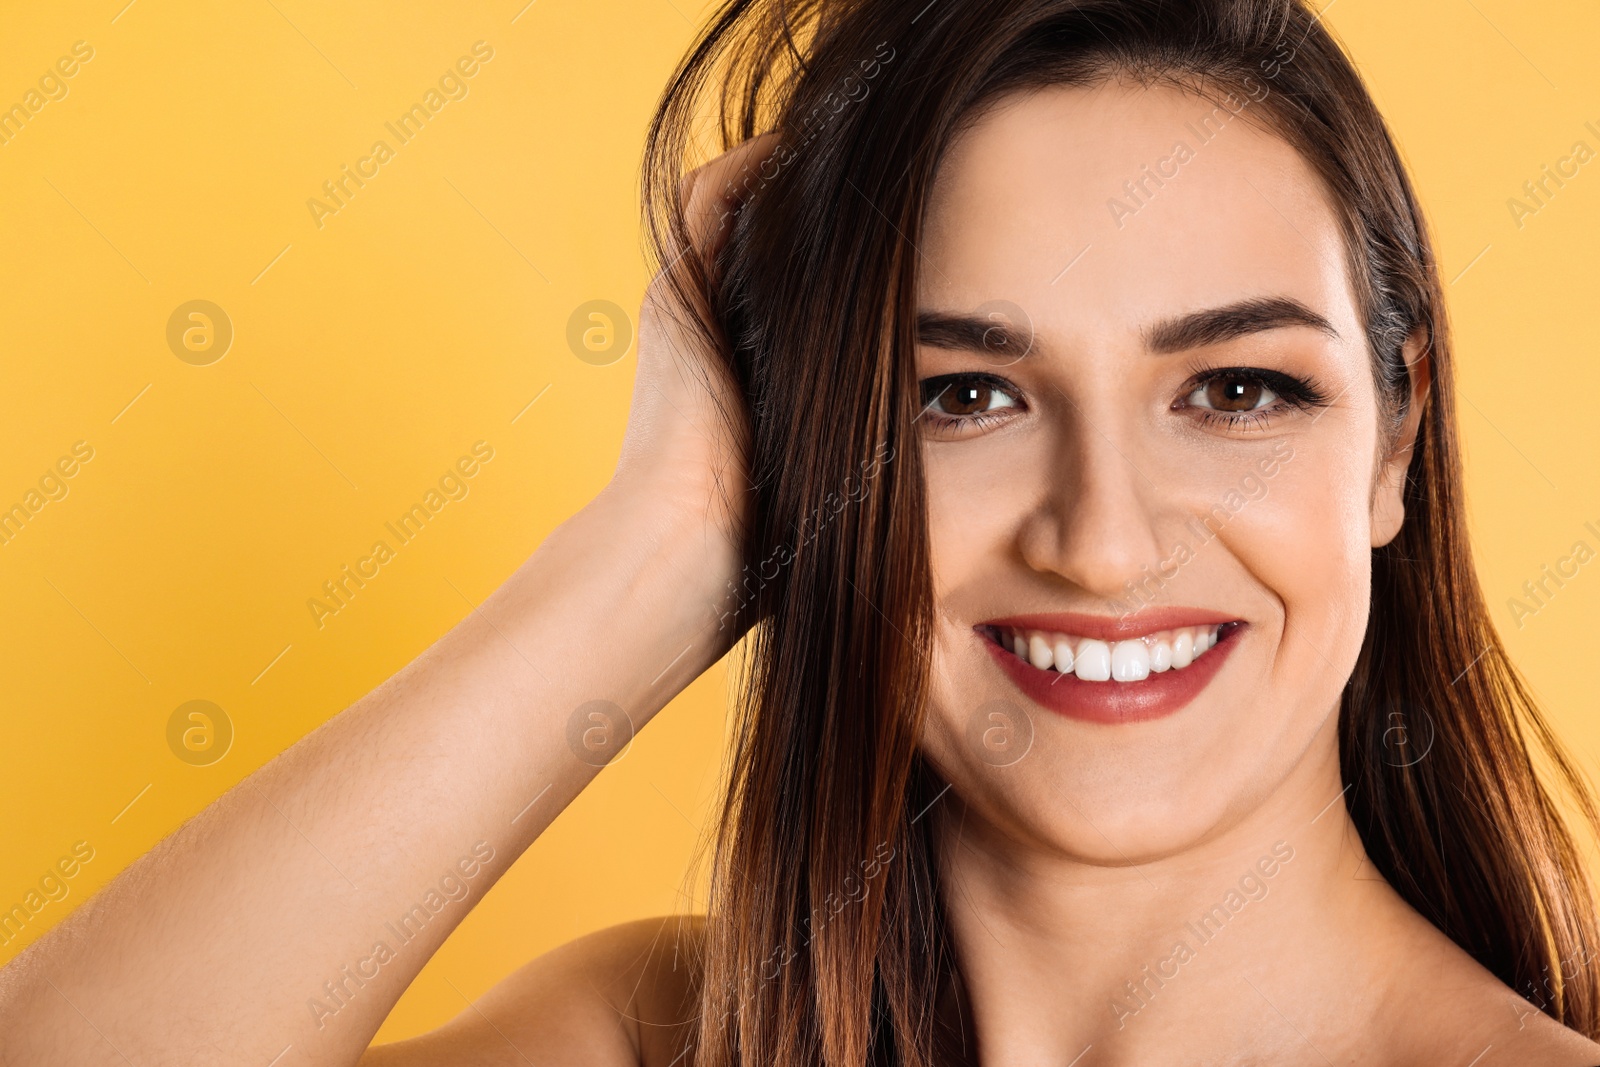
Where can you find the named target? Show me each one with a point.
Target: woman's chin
(1105, 819)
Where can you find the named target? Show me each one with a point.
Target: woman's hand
(685, 453)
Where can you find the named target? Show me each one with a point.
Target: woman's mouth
(1112, 670)
(1092, 660)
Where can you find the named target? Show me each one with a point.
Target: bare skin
(1068, 875)
(1105, 844)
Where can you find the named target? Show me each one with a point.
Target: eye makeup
(1246, 398)
(1235, 398)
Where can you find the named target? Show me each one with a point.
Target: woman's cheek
(1306, 544)
(972, 513)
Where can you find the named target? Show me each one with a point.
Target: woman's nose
(1095, 520)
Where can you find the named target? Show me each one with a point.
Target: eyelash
(1293, 394)
(934, 388)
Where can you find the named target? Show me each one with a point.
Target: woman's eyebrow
(992, 336)
(1215, 325)
(998, 337)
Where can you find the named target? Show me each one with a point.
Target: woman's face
(1150, 423)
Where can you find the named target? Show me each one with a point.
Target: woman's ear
(1388, 499)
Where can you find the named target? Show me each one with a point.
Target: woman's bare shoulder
(1548, 1042)
(619, 997)
(1513, 1031)
(1464, 1014)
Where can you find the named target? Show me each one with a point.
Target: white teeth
(1130, 661)
(1094, 662)
(1091, 660)
(1183, 649)
(1039, 652)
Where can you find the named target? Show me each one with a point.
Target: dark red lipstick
(1160, 694)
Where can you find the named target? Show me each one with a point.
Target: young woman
(1058, 401)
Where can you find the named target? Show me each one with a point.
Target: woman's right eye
(967, 399)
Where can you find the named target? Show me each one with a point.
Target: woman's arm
(287, 918)
(230, 931)
(623, 996)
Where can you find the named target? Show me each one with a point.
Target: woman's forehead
(1122, 205)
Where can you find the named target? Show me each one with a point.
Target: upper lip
(1113, 627)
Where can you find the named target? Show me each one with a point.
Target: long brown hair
(825, 940)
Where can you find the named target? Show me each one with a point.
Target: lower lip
(1157, 696)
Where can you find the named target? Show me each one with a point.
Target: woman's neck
(1273, 935)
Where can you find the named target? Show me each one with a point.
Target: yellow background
(432, 308)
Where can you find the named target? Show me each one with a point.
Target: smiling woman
(1283, 808)
(1278, 301)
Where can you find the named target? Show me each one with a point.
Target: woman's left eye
(1232, 395)
(1244, 397)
